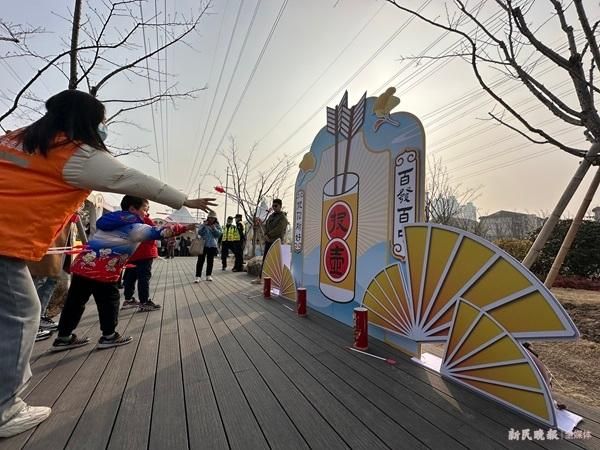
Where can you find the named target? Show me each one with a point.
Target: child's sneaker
(131, 303)
(27, 418)
(148, 306)
(197, 280)
(114, 341)
(68, 343)
(42, 335)
(48, 324)
(209, 278)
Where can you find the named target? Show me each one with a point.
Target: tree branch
(149, 55)
(589, 32)
(74, 44)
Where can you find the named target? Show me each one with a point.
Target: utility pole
(226, 194)
(198, 211)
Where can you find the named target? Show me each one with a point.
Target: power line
(254, 69)
(210, 72)
(160, 106)
(160, 176)
(231, 78)
(191, 176)
(165, 89)
(331, 64)
(456, 106)
(381, 48)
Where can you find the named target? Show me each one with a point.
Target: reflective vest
(231, 233)
(35, 201)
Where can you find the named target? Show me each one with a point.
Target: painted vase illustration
(339, 227)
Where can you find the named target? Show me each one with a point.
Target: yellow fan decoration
(416, 298)
(483, 356)
(282, 281)
(457, 288)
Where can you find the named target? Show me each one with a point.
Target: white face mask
(102, 131)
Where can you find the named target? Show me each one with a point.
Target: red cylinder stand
(267, 287)
(301, 302)
(361, 329)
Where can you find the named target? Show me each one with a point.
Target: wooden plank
(88, 321)
(385, 398)
(278, 311)
(279, 430)
(167, 429)
(46, 362)
(243, 431)
(131, 427)
(481, 406)
(295, 415)
(385, 429)
(205, 428)
(334, 410)
(72, 401)
(351, 392)
(101, 411)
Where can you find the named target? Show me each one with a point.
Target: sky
(269, 68)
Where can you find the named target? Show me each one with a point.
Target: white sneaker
(42, 334)
(197, 280)
(28, 417)
(209, 278)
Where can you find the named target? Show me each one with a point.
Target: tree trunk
(570, 237)
(566, 197)
(74, 44)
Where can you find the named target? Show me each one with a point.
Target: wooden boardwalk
(221, 367)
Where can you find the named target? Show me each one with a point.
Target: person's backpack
(197, 247)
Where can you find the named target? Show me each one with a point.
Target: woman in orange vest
(47, 169)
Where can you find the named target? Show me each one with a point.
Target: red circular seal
(339, 220)
(336, 260)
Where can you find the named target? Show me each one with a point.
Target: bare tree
(446, 202)
(108, 42)
(17, 33)
(248, 193)
(515, 50)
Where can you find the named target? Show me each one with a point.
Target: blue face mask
(102, 131)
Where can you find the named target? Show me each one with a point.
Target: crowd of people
(47, 170)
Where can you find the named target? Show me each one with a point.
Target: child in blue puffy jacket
(96, 271)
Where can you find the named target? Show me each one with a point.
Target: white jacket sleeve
(89, 168)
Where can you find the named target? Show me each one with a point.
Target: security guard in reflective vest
(233, 235)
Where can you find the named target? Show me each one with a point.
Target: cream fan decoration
(282, 281)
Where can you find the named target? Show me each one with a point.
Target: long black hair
(75, 113)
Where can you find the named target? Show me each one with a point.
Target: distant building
(445, 209)
(596, 212)
(509, 225)
(468, 212)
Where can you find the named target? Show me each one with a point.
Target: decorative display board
(361, 181)
(358, 198)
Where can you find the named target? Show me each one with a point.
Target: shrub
(517, 248)
(583, 259)
(576, 282)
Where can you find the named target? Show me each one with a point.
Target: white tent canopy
(181, 216)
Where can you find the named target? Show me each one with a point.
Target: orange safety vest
(35, 201)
